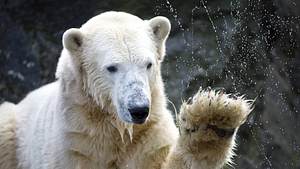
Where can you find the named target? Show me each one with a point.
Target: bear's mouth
(139, 121)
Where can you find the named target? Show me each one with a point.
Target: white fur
(83, 121)
(77, 121)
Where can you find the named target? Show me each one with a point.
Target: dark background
(250, 47)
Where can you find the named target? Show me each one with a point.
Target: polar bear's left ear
(72, 39)
(161, 28)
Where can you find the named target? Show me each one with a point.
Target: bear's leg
(155, 160)
(208, 125)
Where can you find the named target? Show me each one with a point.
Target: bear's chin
(135, 121)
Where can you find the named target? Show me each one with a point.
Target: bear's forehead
(119, 35)
(118, 32)
(126, 42)
(129, 49)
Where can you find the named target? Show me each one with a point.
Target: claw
(234, 97)
(190, 101)
(209, 88)
(200, 88)
(221, 91)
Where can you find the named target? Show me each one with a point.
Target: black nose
(139, 114)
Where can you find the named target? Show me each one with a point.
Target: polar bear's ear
(161, 28)
(72, 39)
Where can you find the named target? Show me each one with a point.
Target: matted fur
(74, 123)
(204, 121)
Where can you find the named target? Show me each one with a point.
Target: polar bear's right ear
(72, 39)
(161, 28)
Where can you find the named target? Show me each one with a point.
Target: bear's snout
(139, 114)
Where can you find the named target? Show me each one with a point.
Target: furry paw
(213, 115)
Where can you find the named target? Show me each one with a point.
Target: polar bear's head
(116, 57)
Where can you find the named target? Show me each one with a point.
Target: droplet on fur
(222, 89)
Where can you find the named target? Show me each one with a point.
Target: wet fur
(71, 123)
(208, 125)
(199, 145)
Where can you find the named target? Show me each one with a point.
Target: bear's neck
(88, 123)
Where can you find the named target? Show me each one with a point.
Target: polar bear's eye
(112, 69)
(149, 65)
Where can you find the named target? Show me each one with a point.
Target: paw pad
(220, 112)
(223, 133)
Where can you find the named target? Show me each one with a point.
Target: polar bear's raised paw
(213, 115)
(208, 123)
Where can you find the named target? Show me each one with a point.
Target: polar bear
(108, 110)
